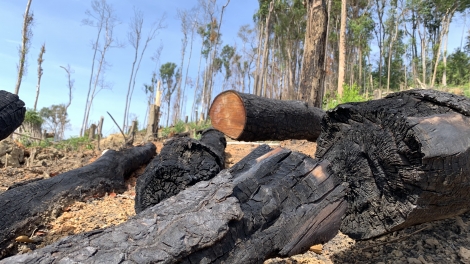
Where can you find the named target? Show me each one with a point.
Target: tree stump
(182, 162)
(248, 117)
(405, 157)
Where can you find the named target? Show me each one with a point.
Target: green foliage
(180, 127)
(226, 55)
(167, 71)
(458, 69)
(350, 94)
(55, 118)
(75, 143)
(71, 144)
(33, 117)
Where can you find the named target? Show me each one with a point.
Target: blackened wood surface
(12, 113)
(28, 206)
(182, 162)
(248, 117)
(405, 157)
(279, 205)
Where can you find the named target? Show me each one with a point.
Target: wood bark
(342, 49)
(181, 163)
(312, 77)
(28, 206)
(247, 117)
(264, 65)
(12, 111)
(405, 158)
(277, 204)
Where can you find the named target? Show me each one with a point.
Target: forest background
(82, 59)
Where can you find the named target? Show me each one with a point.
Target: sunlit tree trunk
(262, 88)
(313, 73)
(342, 48)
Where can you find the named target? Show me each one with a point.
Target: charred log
(248, 117)
(182, 162)
(12, 113)
(405, 157)
(27, 206)
(277, 204)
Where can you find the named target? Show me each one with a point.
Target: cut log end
(247, 117)
(228, 114)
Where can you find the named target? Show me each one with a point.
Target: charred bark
(182, 162)
(247, 117)
(277, 204)
(28, 206)
(405, 158)
(12, 113)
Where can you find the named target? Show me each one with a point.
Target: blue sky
(58, 24)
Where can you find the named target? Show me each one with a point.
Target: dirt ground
(446, 241)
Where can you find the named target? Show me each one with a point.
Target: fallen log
(182, 162)
(26, 207)
(405, 157)
(248, 117)
(12, 113)
(278, 204)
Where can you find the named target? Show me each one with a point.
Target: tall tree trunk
(423, 55)
(342, 48)
(258, 60)
(209, 94)
(197, 84)
(390, 49)
(443, 33)
(313, 74)
(359, 81)
(264, 66)
(40, 71)
(380, 4)
(82, 129)
(27, 23)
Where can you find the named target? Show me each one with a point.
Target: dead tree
(248, 117)
(25, 207)
(12, 113)
(182, 162)
(405, 158)
(277, 204)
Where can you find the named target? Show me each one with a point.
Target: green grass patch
(350, 94)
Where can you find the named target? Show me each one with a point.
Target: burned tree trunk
(276, 204)
(248, 117)
(182, 162)
(405, 157)
(12, 113)
(25, 207)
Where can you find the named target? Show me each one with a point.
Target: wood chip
(24, 239)
(316, 248)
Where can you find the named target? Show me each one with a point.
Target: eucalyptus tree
(135, 38)
(247, 36)
(168, 75)
(102, 17)
(40, 72)
(443, 11)
(27, 34)
(313, 71)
